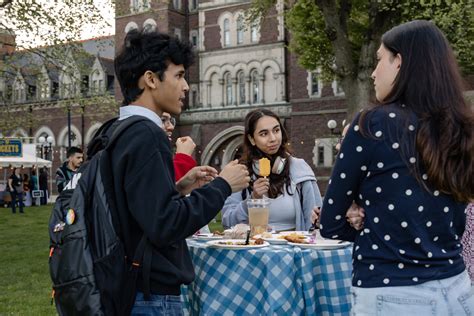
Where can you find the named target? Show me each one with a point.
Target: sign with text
(10, 147)
(37, 193)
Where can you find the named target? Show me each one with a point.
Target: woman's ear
(251, 140)
(398, 60)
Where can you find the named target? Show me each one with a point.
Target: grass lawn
(25, 285)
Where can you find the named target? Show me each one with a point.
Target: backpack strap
(143, 253)
(142, 258)
(118, 127)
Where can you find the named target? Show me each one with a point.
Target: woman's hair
(251, 152)
(429, 84)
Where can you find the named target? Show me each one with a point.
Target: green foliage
(51, 22)
(455, 18)
(341, 37)
(58, 25)
(310, 39)
(307, 29)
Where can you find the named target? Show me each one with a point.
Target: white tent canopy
(27, 161)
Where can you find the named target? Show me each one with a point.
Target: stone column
(222, 83)
(208, 92)
(261, 84)
(248, 91)
(235, 88)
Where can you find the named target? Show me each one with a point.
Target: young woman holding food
(291, 186)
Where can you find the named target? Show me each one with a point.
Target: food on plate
(258, 241)
(239, 231)
(296, 238)
(218, 233)
(264, 235)
(264, 166)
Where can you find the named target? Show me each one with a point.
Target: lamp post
(46, 144)
(69, 127)
(332, 124)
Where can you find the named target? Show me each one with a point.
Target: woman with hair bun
(410, 168)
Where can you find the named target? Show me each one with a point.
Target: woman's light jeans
(452, 296)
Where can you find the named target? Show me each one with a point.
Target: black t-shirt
(16, 183)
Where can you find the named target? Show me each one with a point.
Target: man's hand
(260, 188)
(195, 178)
(355, 216)
(236, 175)
(185, 145)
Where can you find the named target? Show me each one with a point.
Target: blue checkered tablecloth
(275, 280)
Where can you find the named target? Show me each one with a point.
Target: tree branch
(344, 13)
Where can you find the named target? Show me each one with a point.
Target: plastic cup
(258, 210)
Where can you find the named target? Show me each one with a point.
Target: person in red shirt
(183, 160)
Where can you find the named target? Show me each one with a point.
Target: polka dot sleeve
(349, 170)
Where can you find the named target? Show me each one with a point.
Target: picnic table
(275, 280)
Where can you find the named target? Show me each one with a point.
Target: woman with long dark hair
(291, 187)
(410, 168)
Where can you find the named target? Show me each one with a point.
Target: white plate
(273, 239)
(207, 237)
(217, 244)
(276, 241)
(323, 244)
(299, 232)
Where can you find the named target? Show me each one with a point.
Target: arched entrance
(224, 147)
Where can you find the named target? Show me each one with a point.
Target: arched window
(240, 30)
(228, 88)
(254, 33)
(177, 4)
(241, 83)
(254, 86)
(131, 26)
(315, 83)
(226, 33)
(149, 25)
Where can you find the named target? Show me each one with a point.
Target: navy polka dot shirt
(411, 234)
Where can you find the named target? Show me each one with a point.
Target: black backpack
(88, 265)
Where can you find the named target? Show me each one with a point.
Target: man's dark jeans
(17, 197)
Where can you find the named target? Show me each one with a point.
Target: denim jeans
(158, 305)
(453, 296)
(17, 197)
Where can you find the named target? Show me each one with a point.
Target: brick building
(239, 68)
(41, 90)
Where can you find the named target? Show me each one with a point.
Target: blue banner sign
(10, 148)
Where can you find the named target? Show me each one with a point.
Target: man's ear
(150, 80)
(251, 140)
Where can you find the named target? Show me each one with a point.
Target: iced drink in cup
(258, 215)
